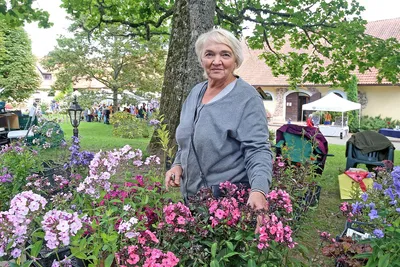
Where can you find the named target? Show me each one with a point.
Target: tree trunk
(115, 100)
(191, 18)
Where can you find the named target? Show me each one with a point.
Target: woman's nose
(217, 60)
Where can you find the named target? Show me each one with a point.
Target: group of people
(100, 113)
(142, 112)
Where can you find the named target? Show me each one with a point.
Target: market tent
(333, 102)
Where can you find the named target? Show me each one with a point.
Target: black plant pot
(46, 258)
(312, 196)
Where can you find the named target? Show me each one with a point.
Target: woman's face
(218, 61)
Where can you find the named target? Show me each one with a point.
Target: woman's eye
(226, 55)
(208, 55)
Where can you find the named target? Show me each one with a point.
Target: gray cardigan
(230, 138)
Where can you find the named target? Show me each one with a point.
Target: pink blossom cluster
(346, 208)
(224, 211)
(178, 216)
(14, 223)
(279, 199)
(135, 256)
(59, 226)
(272, 229)
(231, 190)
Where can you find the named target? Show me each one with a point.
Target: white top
(32, 111)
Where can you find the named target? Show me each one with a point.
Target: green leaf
(214, 263)
(230, 246)
(35, 248)
(251, 263)
(384, 260)
(109, 260)
(38, 234)
(214, 249)
(27, 263)
(77, 253)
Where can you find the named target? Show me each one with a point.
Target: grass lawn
(96, 135)
(325, 217)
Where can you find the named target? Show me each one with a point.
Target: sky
(44, 40)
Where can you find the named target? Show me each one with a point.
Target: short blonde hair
(220, 36)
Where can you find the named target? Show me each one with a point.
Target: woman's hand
(173, 177)
(258, 201)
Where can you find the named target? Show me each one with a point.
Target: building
(283, 103)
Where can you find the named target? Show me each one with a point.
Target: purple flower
(377, 186)
(371, 205)
(373, 214)
(389, 193)
(364, 196)
(357, 207)
(378, 233)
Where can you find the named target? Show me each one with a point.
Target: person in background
(223, 130)
(327, 118)
(309, 121)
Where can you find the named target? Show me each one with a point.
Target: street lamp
(74, 113)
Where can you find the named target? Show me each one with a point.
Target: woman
(223, 131)
(309, 121)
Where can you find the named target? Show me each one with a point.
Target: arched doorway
(294, 103)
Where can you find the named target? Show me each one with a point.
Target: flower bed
(106, 211)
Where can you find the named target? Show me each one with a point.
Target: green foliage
(352, 95)
(164, 139)
(376, 123)
(120, 63)
(128, 126)
(17, 65)
(20, 161)
(16, 13)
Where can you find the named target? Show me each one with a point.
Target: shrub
(128, 126)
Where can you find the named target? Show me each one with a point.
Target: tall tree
(332, 29)
(118, 62)
(16, 12)
(17, 65)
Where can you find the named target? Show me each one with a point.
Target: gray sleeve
(177, 160)
(253, 135)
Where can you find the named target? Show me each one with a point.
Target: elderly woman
(223, 131)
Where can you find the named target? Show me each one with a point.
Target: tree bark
(191, 18)
(115, 100)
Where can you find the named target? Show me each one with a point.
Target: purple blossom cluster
(14, 223)
(78, 158)
(5, 176)
(59, 226)
(378, 205)
(62, 263)
(106, 164)
(154, 122)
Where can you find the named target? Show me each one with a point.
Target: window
(47, 76)
(265, 95)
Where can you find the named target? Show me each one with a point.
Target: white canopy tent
(333, 102)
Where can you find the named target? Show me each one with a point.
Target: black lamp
(74, 113)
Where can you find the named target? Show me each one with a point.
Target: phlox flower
(59, 226)
(373, 214)
(378, 233)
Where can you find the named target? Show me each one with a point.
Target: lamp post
(74, 113)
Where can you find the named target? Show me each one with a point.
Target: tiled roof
(256, 72)
(83, 83)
